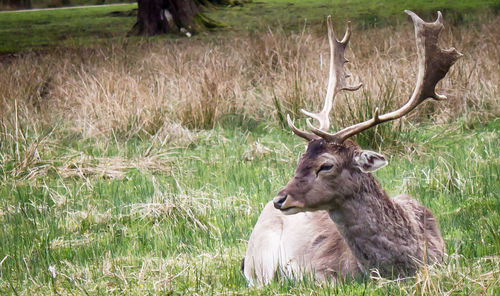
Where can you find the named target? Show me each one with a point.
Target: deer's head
(327, 174)
(330, 171)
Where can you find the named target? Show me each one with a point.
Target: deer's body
(362, 228)
(332, 218)
(296, 245)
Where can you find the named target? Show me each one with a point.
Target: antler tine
(303, 134)
(433, 64)
(336, 83)
(322, 116)
(336, 80)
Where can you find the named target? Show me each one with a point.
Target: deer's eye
(325, 167)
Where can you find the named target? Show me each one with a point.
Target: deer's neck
(379, 232)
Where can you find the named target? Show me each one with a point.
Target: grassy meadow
(133, 166)
(70, 28)
(103, 26)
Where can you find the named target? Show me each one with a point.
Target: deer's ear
(369, 161)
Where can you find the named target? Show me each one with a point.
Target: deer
(333, 220)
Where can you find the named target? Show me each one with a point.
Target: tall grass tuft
(167, 88)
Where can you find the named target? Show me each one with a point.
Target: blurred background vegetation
(31, 4)
(133, 166)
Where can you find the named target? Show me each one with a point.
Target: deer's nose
(279, 200)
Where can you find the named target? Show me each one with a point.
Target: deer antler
(433, 64)
(336, 83)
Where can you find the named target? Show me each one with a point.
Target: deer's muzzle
(280, 200)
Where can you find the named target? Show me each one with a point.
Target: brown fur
(338, 221)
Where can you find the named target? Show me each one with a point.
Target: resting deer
(333, 219)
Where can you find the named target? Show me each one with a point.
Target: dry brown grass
(166, 89)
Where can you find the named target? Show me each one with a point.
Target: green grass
(187, 226)
(21, 31)
(293, 14)
(140, 210)
(67, 27)
(35, 4)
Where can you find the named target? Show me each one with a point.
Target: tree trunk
(169, 16)
(175, 16)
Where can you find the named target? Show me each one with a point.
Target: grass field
(6, 5)
(35, 30)
(96, 26)
(134, 166)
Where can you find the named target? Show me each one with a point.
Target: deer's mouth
(290, 210)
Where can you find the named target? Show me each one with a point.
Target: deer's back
(426, 224)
